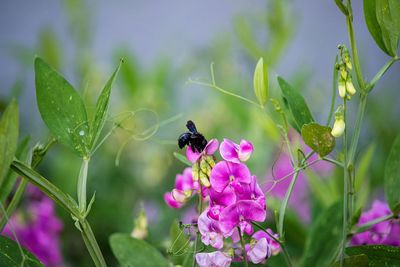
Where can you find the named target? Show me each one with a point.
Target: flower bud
(195, 171)
(342, 87)
(338, 127)
(343, 72)
(350, 87)
(205, 167)
(260, 82)
(204, 179)
(210, 160)
(140, 229)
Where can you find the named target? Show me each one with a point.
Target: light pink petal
(211, 147)
(171, 201)
(179, 195)
(245, 150)
(259, 252)
(191, 155)
(219, 177)
(229, 151)
(203, 259)
(213, 259)
(185, 181)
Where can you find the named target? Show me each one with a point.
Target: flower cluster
(234, 199)
(383, 233)
(38, 229)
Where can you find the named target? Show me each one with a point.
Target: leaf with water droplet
(61, 108)
(318, 137)
(102, 108)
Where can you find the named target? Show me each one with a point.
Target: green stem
(285, 203)
(366, 226)
(243, 248)
(380, 73)
(333, 161)
(357, 128)
(14, 202)
(353, 45)
(91, 244)
(198, 233)
(82, 183)
(334, 89)
(345, 188)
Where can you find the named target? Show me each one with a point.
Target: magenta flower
(38, 230)
(194, 156)
(231, 174)
(210, 231)
(252, 191)
(380, 233)
(235, 153)
(241, 214)
(213, 259)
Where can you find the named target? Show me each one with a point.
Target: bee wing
(191, 126)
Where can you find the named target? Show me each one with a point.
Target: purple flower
(235, 153)
(262, 246)
(227, 173)
(213, 259)
(380, 233)
(194, 156)
(241, 214)
(38, 230)
(210, 231)
(252, 191)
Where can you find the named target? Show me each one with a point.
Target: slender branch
(334, 89)
(364, 227)
(14, 202)
(380, 73)
(333, 161)
(82, 183)
(91, 244)
(357, 128)
(285, 203)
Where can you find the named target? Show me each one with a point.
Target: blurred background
(164, 44)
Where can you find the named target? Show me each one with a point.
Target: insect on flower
(193, 138)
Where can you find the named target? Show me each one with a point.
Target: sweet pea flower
(262, 246)
(241, 214)
(210, 231)
(194, 156)
(235, 153)
(380, 233)
(184, 187)
(252, 191)
(231, 174)
(213, 259)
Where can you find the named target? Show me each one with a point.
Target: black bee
(193, 138)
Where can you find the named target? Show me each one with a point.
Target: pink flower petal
(171, 201)
(213, 259)
(245, 150)
(259, 252)
(191, 155)
(229, 151)
(211, 147)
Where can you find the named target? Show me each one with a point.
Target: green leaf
(388, 17)
(325, 237)
(354, 261)
(102, 108)
(373, 25)
(182, 159)
(318, 137)
(11, 255)
(392, 176)
(8, 138)
(296, 104)
(61, 108)
(133, 252)
(260, 82)
(378, 255)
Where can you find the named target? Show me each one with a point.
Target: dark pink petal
(229, 151)
(240, 172)
(245, 150)
(191, 155)
(229, 218)
(211, 147)
(219, 177)
(171, 201)
(224, 198)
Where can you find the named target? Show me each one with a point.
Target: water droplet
(70, 98)
(81, 132)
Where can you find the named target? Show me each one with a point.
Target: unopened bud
(204, 179)
(343, 72)
(350, 87)
(140, 230)
(342, 87)
(210, 160)
(338, 128)
(195, 171)
(205, 167)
